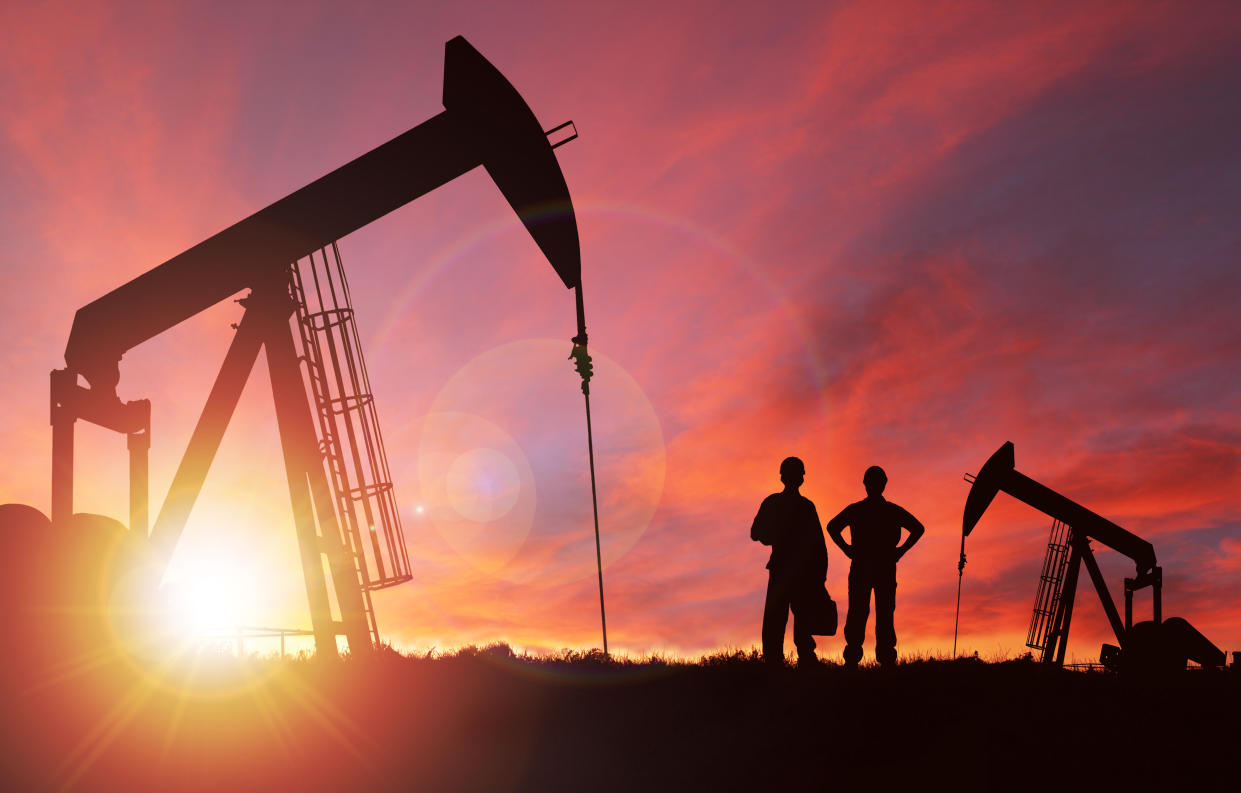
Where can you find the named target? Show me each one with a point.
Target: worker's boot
(852, 655)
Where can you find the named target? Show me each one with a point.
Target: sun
(202, 600)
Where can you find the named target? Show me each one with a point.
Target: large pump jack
(485, 122)
(1157, 644)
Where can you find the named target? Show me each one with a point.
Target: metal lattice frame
(348, 424)
(1050, 585)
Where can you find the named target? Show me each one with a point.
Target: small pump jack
(485, 122)
(1154, 645)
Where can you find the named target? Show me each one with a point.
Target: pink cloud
(856, 235)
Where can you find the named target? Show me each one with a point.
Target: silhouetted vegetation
(492, 719)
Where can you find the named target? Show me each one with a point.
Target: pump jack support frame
(1082, 554)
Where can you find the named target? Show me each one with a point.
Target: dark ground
(484, 720)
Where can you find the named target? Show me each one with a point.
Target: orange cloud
(859, 234)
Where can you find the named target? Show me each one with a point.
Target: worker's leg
(775, 617)
(802, 639)
(859, 611)
(885, 609)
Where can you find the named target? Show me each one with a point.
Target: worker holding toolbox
(789, 523)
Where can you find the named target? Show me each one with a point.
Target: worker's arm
(834, 528)
(818, 548)
(915, 528)
(761, 528)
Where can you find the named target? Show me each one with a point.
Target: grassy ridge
(486, 719)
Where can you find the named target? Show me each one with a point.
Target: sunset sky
(859, 233)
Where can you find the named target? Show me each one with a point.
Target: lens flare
(483, 485)
(484, 454)
(477, 487)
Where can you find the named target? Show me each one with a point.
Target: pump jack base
(1161, 648)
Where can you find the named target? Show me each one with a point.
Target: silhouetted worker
(789, 523)
(875, 530)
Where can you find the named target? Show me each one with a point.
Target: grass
(488, 718)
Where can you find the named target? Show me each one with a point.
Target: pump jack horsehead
(1157, 645)
(297, 311)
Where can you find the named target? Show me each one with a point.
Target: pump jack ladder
(485, 122)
